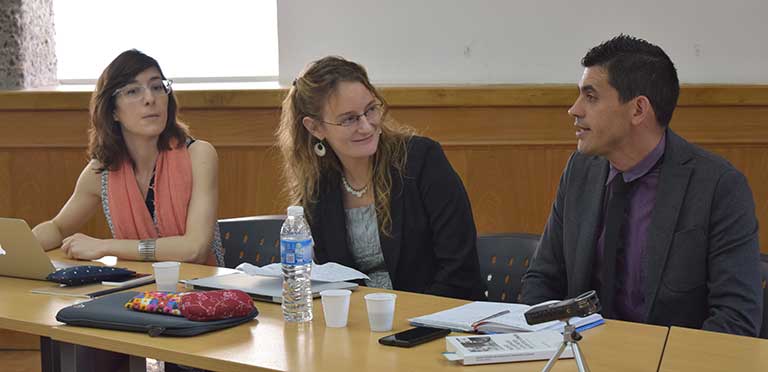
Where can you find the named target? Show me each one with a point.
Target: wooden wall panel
(752, 160)
(508, 144)
(722, 124)
(250, 182)
(234, 127)
(5, 184)
(513, 186)
(43, 128)
(42, 181)
(492, 126)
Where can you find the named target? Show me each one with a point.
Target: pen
(590, 325)
(500, 313)
(116, 289)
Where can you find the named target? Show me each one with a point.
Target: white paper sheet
(328, 272)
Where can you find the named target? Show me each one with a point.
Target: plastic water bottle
(296, 256)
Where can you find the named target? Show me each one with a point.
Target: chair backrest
(255, 240)
(764, 267)
(504, 259)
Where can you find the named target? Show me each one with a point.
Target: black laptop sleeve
(110, 312)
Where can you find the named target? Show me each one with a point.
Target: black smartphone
(414, 336)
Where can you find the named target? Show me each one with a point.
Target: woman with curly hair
(378, 198)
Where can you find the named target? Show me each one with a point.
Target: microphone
(585, 304)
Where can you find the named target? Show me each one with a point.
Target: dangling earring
(320, 148)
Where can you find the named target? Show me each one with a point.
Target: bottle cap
(295, 210)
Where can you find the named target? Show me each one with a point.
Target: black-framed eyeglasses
(135, 91)
(373, 114)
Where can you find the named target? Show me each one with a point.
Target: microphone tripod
(570, 338)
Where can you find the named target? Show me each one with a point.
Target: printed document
(328, 272)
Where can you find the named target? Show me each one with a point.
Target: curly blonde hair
(302, 168)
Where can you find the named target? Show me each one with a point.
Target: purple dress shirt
(630, 273)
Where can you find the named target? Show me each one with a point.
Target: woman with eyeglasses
(378, 198)
(157, 186)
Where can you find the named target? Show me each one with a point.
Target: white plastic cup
(166, 275)
(381, 311)
(335, 307)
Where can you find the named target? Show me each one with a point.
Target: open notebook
(496, 317)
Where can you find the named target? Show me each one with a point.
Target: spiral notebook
(496, 317)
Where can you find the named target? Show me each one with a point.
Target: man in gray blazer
(664, 231)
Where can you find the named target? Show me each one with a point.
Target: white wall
(525, 41)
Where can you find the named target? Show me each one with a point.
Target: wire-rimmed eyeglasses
(134, 92)
(373, 114)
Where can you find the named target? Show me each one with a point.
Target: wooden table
(269, 343)
(32, 314)
(35, 314)
(702, 351)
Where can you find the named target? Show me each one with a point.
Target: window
(193, 40)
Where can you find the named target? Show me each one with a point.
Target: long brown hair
(106, 143)
(302, 169)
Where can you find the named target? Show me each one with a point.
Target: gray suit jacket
(702, 263)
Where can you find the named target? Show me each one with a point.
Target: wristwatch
(147, 250)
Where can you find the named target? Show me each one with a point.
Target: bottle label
(296, 252)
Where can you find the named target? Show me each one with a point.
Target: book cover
(502, 348)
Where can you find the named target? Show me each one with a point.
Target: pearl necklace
(357, 193)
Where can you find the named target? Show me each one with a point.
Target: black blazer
(702, 265)
(432, 248)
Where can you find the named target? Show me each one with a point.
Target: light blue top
(363, 239)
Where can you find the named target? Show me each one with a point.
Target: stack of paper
(496, 317)
(328, 272)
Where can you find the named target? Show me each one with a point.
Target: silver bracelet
(147, 250)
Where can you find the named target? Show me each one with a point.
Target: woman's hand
(83, 247)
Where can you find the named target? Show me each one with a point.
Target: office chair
(504, 260)
(255, 240)
(764, 269)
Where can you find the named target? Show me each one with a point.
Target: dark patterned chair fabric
(255, 240)
(504, 258)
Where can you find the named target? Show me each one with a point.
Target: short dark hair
(106, 143)
(638, 68)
